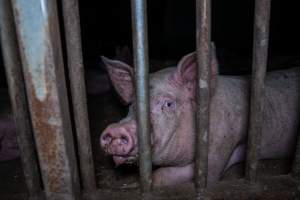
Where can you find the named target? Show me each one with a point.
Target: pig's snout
(117, 141)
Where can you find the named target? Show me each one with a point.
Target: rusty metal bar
(40, 44)
(141, 62)
(259, 65)
(76, 74)
(203, 28)
(12, 62)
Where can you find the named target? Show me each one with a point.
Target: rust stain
(46, 134)
(46, 137)
(47, 111)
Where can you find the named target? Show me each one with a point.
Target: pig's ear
(214, 70)
(187, 67)
(122, 77)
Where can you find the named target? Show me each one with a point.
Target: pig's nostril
(124, 139)
(107, 138)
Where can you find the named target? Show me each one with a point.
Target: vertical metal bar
(18, 99)
(76, 73)
(203, 44)
(259, 64)
(141, 62)
(296, 162)
(39, 41)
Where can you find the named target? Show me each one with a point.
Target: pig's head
(172, 108)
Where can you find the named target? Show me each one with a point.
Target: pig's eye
(169, 104)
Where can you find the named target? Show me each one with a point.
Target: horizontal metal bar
(12, 63)
(203, 44)
(141, 62)
(76, 74)
(39, 41)
(259, 65)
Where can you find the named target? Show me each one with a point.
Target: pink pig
(172, 112)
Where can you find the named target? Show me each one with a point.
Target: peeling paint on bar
(12, 62)
(203, 84)
(54, 122)
(39, 41)
(43, 8)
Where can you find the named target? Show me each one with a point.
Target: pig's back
(230, 111)
(281, 114)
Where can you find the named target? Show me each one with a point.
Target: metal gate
(32, 52)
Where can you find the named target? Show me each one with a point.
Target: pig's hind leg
(173, 175)
(238, 155)
(219, 156)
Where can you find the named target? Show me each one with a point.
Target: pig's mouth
(121, 158)
(127, 159)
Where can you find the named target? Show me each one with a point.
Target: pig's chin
(119, 160)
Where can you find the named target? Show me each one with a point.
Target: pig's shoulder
(230, 92)
(228, 82)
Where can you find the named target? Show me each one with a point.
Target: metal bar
(39, 41)
(18, 99)
(259, 65)
(141, 62)
(76, 74)
(203, 44)
(296, 162)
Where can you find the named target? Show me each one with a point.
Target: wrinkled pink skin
(172, 109)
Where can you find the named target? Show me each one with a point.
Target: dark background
(171, 27)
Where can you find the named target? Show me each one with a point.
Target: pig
(8, 139)
(172, 119)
